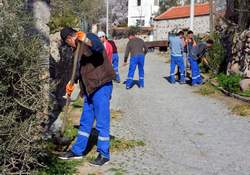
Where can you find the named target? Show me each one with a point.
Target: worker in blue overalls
(95, 79)
(137, 49)
(176, 44)
(197, 52)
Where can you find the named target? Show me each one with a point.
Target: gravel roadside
(184, 133)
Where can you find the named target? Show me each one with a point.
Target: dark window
(138, 2)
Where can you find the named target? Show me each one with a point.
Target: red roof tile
(184, 11)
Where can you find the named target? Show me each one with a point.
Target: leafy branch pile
(22, 84)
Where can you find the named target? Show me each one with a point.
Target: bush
(22, 92)
(230, 83)
(66, 19)
(217, 55)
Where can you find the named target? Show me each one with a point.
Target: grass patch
(70, 131)
(231, 83)
(242, 110)
(207, 89)
(78, 103)
(117, 145)
(246, 93)
(115, 114)
(56, 167)
(117, 171)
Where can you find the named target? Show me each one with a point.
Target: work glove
(82, 36)
(69, 89)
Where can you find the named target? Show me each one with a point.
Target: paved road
(185, 133)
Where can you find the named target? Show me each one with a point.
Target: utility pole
(192, 15)
(107, 18)
(211, 16)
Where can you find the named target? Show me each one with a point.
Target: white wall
(143, 12)
(162, 27)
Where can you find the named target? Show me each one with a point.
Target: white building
(142, 12)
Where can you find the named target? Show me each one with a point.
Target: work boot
(183, 82)
(70, 156)
(117, 81)
(99, 161)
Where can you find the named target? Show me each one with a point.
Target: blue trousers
(136, 60)
(179, 61)
(115, 62)
(196, 76)
(96, 106)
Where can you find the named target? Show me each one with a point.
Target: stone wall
(163, 27)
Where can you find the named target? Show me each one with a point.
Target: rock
(55, 43)
(243, 36)
(248, 39)
(235, 68)
(248, 34)
(245, 84)
(239, 45)
(247, 50)
(247, 73)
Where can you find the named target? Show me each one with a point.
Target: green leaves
(217, 55)
(230, 83)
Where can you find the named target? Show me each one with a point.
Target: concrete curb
(236, 96)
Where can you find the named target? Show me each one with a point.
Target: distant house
(179, 17)
(142, 12)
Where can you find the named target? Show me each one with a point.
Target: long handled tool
(59, 138)
(72, 82)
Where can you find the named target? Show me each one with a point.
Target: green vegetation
(217, 55)
(22, 91)
(246, 93)
(70, 131)
(73, 13)
(78, 103)
(117, 171)
(229, 82)
(242, 110)
(207, 89)
(59, 167)
(122, 144)
(133, 30)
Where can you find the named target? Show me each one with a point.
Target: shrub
(216, 55)
(66, 19)
(22, 92)
(230, 83)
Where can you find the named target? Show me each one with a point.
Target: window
(156, 2)
(140, 23)
(138, 2)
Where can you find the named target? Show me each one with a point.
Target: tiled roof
(184, 12)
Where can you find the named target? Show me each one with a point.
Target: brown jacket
(95, 70)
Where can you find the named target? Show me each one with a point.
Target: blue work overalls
(196, 76)
(176, 48)
(134, 61)
(115, 62)
(96, 106)
(177, 60)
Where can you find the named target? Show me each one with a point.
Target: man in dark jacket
(137, 49)
(196, 53)
(95, 78)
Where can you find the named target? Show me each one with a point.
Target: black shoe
(69, 156)
(99, 161)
